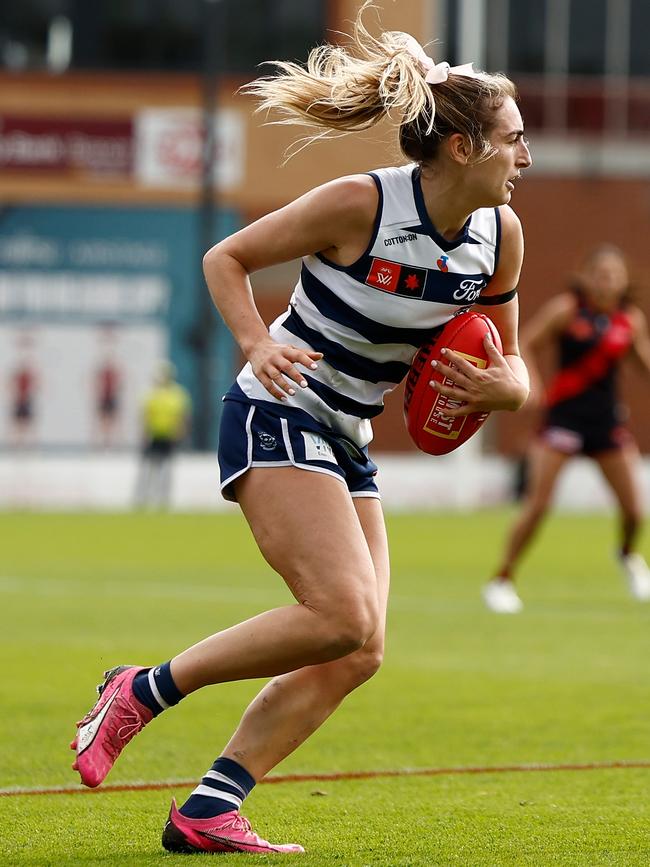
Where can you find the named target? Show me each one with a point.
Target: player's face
(497, 175)
(605, 279)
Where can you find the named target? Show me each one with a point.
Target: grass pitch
(564, 682)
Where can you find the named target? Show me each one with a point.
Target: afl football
(429, 427)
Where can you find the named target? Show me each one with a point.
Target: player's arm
(335, 219)
(641, 339)
(542, 329)
(504, 384)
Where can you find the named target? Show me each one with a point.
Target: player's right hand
(274, 364)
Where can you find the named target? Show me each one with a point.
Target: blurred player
(593, 327)
(108, 382)
(22, 388)
(166, 415)
(387, 257)
(23, 385)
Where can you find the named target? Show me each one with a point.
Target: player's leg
(291, 707)
(545, 465)
(165, 488)
(143, 480)
(283, 715)
(621, 469)
(307, 528)
(156, 498)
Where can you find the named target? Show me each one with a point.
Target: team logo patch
(317, 448)
(267, 442)
(397, 278)
(442, 264)
(568, 441)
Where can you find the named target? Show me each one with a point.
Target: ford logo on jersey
(469, 290)
(399, 279)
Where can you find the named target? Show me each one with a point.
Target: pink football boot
(109, 725)
(228, 832)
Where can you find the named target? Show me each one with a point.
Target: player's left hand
(493, 388)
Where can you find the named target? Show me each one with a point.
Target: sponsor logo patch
(469, 290)
(399, 279)
(400, 239)
(317, 448)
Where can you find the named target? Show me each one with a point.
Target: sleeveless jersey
(368, 319)
(589, 350)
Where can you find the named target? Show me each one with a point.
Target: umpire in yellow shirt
(166, 413)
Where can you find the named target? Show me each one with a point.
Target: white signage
(76, 385)
(169, 147)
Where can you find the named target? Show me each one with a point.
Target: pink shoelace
(132, 723)
(239, 823)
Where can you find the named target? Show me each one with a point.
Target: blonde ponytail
(345, 89)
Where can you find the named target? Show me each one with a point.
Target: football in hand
(429, 427)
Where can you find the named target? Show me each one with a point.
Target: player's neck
(447, 207)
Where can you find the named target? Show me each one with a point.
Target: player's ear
(459, 148)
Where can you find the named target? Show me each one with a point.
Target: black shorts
(253, 436)
(108, 407)
(573, 436)
(159, 448)
(23, 410)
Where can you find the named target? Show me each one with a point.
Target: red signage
(73, 145)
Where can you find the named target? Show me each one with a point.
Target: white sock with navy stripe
(221, 790)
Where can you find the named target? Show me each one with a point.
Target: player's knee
(352, 624)
(364, 664)
(349, 635)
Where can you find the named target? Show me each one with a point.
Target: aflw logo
(397, 278)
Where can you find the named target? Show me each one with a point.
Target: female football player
(593, 327)
(386, 258)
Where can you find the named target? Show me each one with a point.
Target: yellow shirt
(165, 411)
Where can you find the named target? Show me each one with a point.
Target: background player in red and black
(108, 387)
(23, 385)
(592, 327)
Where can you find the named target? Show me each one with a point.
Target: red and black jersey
(24, 384)
(590, 349)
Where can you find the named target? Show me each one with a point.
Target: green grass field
(564, 682)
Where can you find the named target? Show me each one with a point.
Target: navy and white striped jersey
(369, 318)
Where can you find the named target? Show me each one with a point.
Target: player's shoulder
(510, 222)
(345, 200)
(357, 191)
(636, 315)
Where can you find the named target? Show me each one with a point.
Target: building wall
(562, 216)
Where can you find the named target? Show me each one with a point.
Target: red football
(424, 408)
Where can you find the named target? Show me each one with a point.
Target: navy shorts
(252, 436)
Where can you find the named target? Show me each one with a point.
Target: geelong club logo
(267, 442)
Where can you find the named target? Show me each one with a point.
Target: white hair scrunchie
(436, 73)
